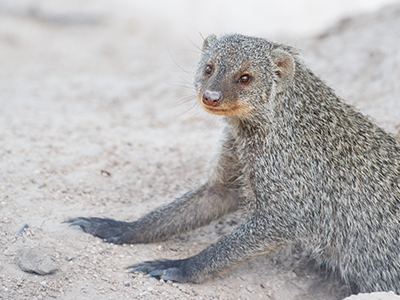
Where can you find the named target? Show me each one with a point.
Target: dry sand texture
(98, 118)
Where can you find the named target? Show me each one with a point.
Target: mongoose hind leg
(243, 243)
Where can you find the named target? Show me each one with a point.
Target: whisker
(182, 69)
(189, 87)
(183, 101)
(193, 43)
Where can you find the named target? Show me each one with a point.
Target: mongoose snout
(212, 98)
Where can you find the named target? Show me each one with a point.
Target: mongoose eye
(244, 78)
(208, 70)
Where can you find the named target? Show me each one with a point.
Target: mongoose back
(307, 168)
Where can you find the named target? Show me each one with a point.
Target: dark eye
(208, 70)
(244, 78)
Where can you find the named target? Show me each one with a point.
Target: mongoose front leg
(193, 209)
(245, 242)
(112, 231)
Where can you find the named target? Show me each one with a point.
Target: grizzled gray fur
(306, 166)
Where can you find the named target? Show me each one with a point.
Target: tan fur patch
(228, 110)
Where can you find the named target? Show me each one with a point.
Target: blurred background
(191, 18)
(54, 39)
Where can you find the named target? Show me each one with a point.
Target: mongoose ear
(285, 68)
(208, 41)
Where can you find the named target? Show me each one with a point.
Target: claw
(132, 271)
(112, 240)
(161, 269)
(143, 269)
(135, 265)
(157, 273)
(112, 231)
(80, 221)
(76, 219)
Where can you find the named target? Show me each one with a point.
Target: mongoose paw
(112, 231)
(173, 270)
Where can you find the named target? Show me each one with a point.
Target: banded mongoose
(307, 167)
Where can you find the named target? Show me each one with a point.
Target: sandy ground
(98, 118)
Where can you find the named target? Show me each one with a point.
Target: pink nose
(211, 98)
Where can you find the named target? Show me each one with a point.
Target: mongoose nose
(212, 98)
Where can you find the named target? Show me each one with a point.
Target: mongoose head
(239, 74)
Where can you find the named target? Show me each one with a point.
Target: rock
(374, 296)
(36, 260)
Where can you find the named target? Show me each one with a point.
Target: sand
(98, 118)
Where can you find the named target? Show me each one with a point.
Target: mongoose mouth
(219, 111)
(227, 110)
